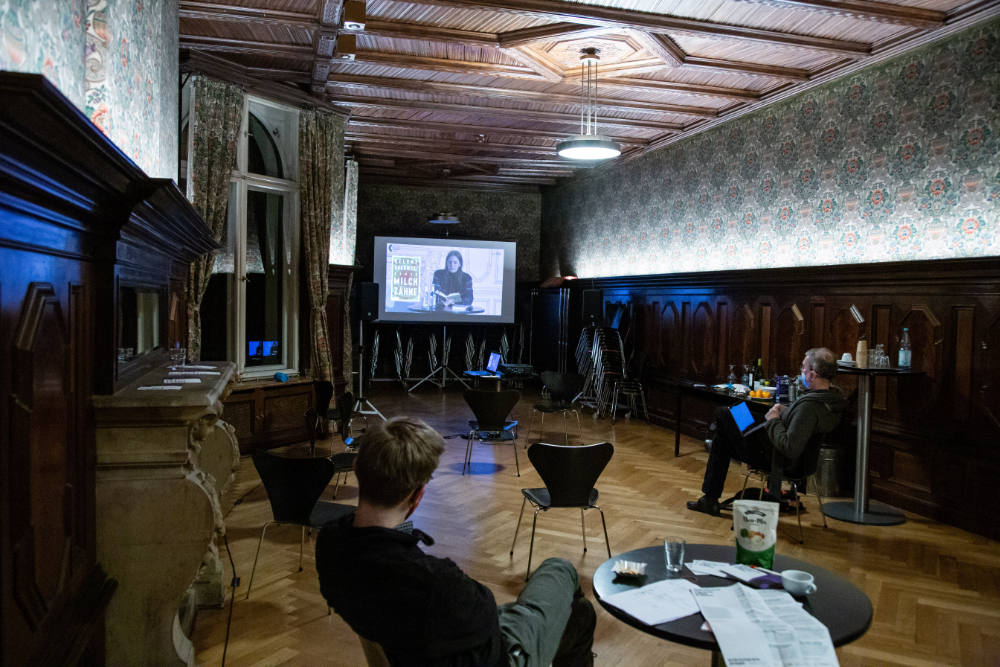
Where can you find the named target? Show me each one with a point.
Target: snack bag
(755, 524)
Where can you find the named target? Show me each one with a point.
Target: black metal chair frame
(569, 474)
(562, 388)
(491, 425)
(797, 475)
(293, 487)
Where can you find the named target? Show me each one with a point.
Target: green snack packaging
(755, 524)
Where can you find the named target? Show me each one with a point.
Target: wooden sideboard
(933, 447)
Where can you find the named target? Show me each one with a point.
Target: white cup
(798, 582)
(846, 357)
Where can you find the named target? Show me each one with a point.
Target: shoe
(704, 504)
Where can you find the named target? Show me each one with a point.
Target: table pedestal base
(878, 514)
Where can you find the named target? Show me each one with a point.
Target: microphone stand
(362, 406)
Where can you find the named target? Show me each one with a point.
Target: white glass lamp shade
(588, 147)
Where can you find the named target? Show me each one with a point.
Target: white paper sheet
(194, 373)
(181, 380)
(763, 628)
(707, 567)
(659, 602)
(160, 387)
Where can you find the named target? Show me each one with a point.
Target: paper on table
(192, 367)
(659, 602)
(181, 380)
(194, 373)
(160, 387)
(756, 628)
(704, 567)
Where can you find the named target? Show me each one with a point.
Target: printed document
(764, 628)
(659, 602)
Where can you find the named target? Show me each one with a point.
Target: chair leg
(256, 556)
(579, 426)
(531, 423)
(798, 511)
(531, 547)
(607, 543)
(583, 531)
(517, 526)
(565, 428)
(336, 484)
(517, 466)
(468, 455)
(302, 541)
(819, 498)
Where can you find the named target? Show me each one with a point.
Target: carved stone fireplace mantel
(157, 506)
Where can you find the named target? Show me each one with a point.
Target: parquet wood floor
(935, 589)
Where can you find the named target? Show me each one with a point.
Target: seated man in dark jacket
(778, 446)
(424, 610)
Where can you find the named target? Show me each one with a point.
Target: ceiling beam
(192, 9)
(503, 112)
(542, 33)
(654, 85)
(399, 151)
(573, 12)
(395, 179)
(412, 85)
(324, 43)
(352, 137)
(486, 130)
(544, 69)
(222, 44)
(400, 30)
(865, 10)
(442, 65)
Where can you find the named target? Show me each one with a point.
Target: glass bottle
(905, 354)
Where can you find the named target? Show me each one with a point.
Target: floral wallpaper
(115, 59)
(396, 210)
(46, 38)
(897, 162)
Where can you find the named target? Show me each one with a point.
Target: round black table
(837, 603)
(862, 509)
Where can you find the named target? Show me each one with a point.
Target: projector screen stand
(441, 368)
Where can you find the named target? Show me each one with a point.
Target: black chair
(491, 425)
(562, 389)
(798, 475)
(569, 475)
(293, 487)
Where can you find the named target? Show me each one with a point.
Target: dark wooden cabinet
(269, 414)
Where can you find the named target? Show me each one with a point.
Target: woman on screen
(452, 286)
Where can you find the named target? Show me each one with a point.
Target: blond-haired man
(423, 610)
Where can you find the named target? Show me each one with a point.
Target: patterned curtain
(344, 234)
(348, 338)
(320, 155)
(216, 116)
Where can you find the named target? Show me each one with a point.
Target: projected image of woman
(452, 285)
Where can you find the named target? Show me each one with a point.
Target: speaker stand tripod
(362, 406)
(441, 368)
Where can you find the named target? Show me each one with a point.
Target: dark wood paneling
(933, 447)
(269, 414)
(75, 214)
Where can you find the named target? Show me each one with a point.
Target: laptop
(491, 366)
(744, 420)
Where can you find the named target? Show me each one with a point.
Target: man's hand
(775, 411)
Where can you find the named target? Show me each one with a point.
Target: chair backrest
(324, 394)
(293, 485)
(563, 387)
(491, 407)
(570, 472)
(345, 408)
(809, 460)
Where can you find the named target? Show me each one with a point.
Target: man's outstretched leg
(551, 622)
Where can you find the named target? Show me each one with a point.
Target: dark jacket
(423, 610)
(816, 411)
(459, 283)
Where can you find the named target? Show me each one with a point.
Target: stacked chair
(606, 375)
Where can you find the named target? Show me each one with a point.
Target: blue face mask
(805, 382)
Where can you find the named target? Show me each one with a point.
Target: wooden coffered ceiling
(478, 92)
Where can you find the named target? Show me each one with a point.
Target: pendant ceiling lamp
(588, 145)
(444, 218)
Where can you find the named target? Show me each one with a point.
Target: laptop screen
(494, 362)
(741, 415)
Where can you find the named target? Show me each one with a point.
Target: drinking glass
(178, 355)
(673, 552)
(732, 375)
